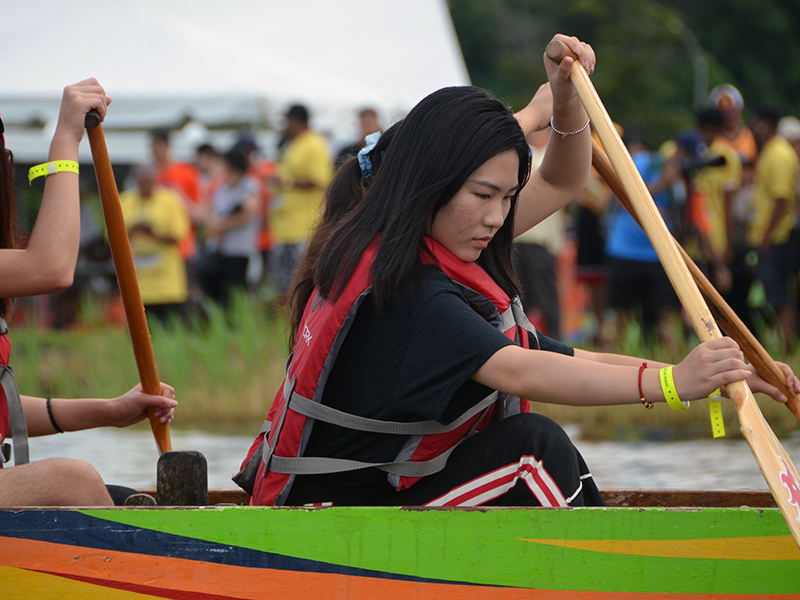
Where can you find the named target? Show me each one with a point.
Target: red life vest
(5, 357)
(11, 413)
(276, 455)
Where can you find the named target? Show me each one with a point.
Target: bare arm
(617, 359)
(564, 171)
(48, 263)
(596, 379)
(87, 413)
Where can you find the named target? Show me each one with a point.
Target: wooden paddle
(772, 459)
(722, 312)
(126, 275)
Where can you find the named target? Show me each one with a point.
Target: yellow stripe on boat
(21, 584)
(776, 547)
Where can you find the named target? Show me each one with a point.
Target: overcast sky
(341, 51)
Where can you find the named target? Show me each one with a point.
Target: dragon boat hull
(227, 552)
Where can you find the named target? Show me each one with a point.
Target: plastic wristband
(715, 412)
(51, 168)
(670, 393)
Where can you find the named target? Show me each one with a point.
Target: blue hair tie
(364, 161)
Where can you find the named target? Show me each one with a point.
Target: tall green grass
(227, 371)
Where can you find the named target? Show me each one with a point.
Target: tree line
(656, 58)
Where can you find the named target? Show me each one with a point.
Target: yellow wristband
(51, 168)
(715, 412)
(670, 393)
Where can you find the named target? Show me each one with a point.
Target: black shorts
(777, 269)
(635, 284)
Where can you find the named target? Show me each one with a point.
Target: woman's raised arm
(564, 171)
(47, 264)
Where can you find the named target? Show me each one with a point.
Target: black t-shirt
(412, 362)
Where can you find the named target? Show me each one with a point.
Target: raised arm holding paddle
(775, 463)
(47, 265)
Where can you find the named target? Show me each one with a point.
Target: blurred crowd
(230, 219)
(727, 189)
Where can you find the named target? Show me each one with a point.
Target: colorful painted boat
(225, 552)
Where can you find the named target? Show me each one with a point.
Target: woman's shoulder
(435, 293)
(434, 288)
(435, 282)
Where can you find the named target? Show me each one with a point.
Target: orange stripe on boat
(777, 547)
(187, 579)
(199, 577)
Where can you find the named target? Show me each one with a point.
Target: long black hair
(441, 142)
(345, 191)
(8, 211)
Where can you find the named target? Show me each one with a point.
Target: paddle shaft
(775, 464)
(126, 276)
(722, 312)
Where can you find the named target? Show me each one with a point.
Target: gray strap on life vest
(315, 465)
(288, 387)
(16, 416)
(315, 410)
(521, 319)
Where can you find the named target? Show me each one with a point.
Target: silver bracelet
(564, 134)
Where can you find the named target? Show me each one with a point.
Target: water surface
(129, 456)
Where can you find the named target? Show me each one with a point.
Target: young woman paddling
(46, 266)
(411, 352)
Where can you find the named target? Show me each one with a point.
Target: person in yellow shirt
(721, 184)
(774, 207)
(303, 171)
(156, 220)
(789, 128)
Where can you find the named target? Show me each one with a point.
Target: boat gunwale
(636, 499)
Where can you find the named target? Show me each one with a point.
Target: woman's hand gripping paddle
(724, 314)
(126, 275)
(774, 462)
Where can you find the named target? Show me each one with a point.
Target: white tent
(228, 65)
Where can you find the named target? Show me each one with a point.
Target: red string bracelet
(641, 393)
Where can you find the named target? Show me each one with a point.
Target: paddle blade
(775, 463)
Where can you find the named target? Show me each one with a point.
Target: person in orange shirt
(738, 135)
(182, 177)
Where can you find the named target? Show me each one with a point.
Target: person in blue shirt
(637, 281)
